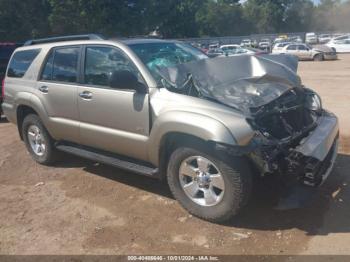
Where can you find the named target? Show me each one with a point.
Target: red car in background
(6, 50)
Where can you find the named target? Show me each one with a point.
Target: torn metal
(241, 82)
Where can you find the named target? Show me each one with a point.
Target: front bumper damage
(299, 166)
(307, 162)
(320, 150)
(302, 167)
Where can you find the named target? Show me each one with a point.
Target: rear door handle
(86, 95)
(44, 89)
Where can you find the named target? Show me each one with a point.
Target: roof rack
(64, 38)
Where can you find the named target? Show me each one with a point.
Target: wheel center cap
(203, 180)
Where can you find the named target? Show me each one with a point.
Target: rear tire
(230, 193)
(318, 57)
(38, 141)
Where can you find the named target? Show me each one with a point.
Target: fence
(238, 39)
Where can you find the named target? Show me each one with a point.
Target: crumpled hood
(241, 82)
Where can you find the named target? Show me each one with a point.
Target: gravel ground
(81, 207)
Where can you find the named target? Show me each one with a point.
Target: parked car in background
(229, 48)
(324, 38)
(246, 43)
(340, 44)
(311, 38)
(255, 43)
(6, 50)
(307, 52)
(278, 47)
(295, 39)
(162, 109)
(250, 51)
(204, 48)
(215, 52)
(281, 38)
(265, 44)
(235, 50)
(214, 46)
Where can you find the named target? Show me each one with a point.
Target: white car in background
(324, 38)
(244, 51)
(278, 47)
(246, 43)
(265, 43)
(311, 38)
(295, 39)
(228, 48)
(307, 52)
(340, 44)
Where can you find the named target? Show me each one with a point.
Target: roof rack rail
(64, 38)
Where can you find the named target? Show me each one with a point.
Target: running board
(109, 159)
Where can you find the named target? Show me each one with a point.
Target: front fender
(201, 126)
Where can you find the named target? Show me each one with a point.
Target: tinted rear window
(21, 61)
(65, 65)
(62, 65)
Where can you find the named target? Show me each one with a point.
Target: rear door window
(292, 47)
(21, 61)
(65, 64)
(302, 47)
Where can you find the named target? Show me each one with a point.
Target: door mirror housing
(124, 79)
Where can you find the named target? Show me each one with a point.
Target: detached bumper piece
(309, 170)
(311, 163)
(314, 173)
(319, 151)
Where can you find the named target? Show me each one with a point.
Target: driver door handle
(86, 95)
(44, 89)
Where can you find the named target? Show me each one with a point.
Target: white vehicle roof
(231, 45)
(346, 36)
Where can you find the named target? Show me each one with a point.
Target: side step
(121, 162)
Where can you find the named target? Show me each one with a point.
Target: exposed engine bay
(281, 127)
(267, 90)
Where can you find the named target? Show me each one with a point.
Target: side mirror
(125, 79)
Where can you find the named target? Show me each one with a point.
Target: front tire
(208, 186)
(318, 57)
(39, 143)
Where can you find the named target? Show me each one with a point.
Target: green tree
(221, 18)
(23, 19)
(266, 16)
(298, 16)
(173, 18)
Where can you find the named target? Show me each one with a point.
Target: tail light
(3, 89)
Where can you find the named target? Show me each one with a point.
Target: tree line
(25, 19)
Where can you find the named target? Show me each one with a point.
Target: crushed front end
(296, 140)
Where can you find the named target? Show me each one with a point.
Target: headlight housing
(313, 101)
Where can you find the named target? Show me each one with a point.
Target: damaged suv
(163, 109)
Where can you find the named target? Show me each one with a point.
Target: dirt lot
(81, 207)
